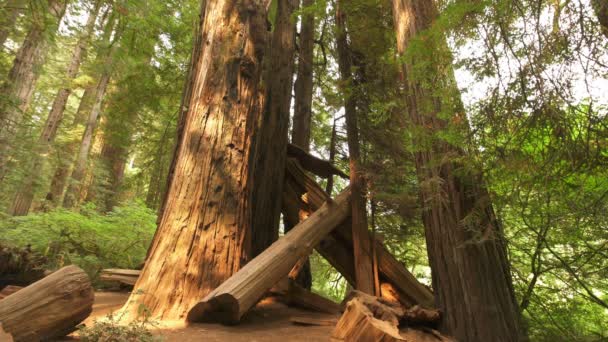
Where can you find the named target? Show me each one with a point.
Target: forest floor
(268, 321)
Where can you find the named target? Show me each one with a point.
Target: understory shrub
(86, 238)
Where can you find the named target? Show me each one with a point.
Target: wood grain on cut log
(51, 307)
(229, 302)
(302, 193)
(362, 323)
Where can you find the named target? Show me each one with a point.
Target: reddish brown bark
(23, 198)
(466, 249)
(204, 233)
(361, 242)
(272, 134)
(300, 133)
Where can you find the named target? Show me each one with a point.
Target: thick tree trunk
(50, 308)
(11, 9)
(300, 133)
(272, 136)
(19, 86)
(23, 198)
(361, 242)
(72, 193)
(204, 233)
(466, 248)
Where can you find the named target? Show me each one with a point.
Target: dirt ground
(268, 321)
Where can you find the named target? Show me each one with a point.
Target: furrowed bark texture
(204, 233)
(300, 133)
(470, 270)
(361, 242)
(272, 134)
(23, 199)
(18, 88)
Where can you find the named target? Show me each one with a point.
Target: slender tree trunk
(300, 133)
(272, 136)
(361, 243)
(332, 157)
(19, 86)
(466, 249)
(72, 193)
(62, 173)
(23, 198)
(204, 233)
(11, 9)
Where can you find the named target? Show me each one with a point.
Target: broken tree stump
(366, 321)
(303, 194)
(49, 308)
(229, 301)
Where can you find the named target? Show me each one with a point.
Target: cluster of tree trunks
(50, 308)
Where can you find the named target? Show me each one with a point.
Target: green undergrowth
(87, 238)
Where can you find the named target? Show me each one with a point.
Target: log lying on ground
(123, 276)
(294, 294)
(303, 194)
(229, 302)
(51, 307)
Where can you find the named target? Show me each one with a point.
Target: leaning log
(229, 302)
(49, 308)
(302, 194)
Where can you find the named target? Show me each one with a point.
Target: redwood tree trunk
(467, 254)
(273, 131)
(204, 233)
(300, 133)
(361, 243)
(23, 198)
(19, 86)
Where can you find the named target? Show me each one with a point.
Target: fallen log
(51, 307)
(304, 194)
(229, 301)
(293, 294)
(301, 320)
(123, 276)
(310, 163)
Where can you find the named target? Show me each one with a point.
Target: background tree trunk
(467, 253)
(204, 233)
(19, 86)
(300, 133)
(361, 242)
(23, 198)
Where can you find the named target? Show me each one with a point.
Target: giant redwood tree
(204, 232)
(466, 249)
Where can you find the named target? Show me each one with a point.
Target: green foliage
(110, 330)
(86, 238)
